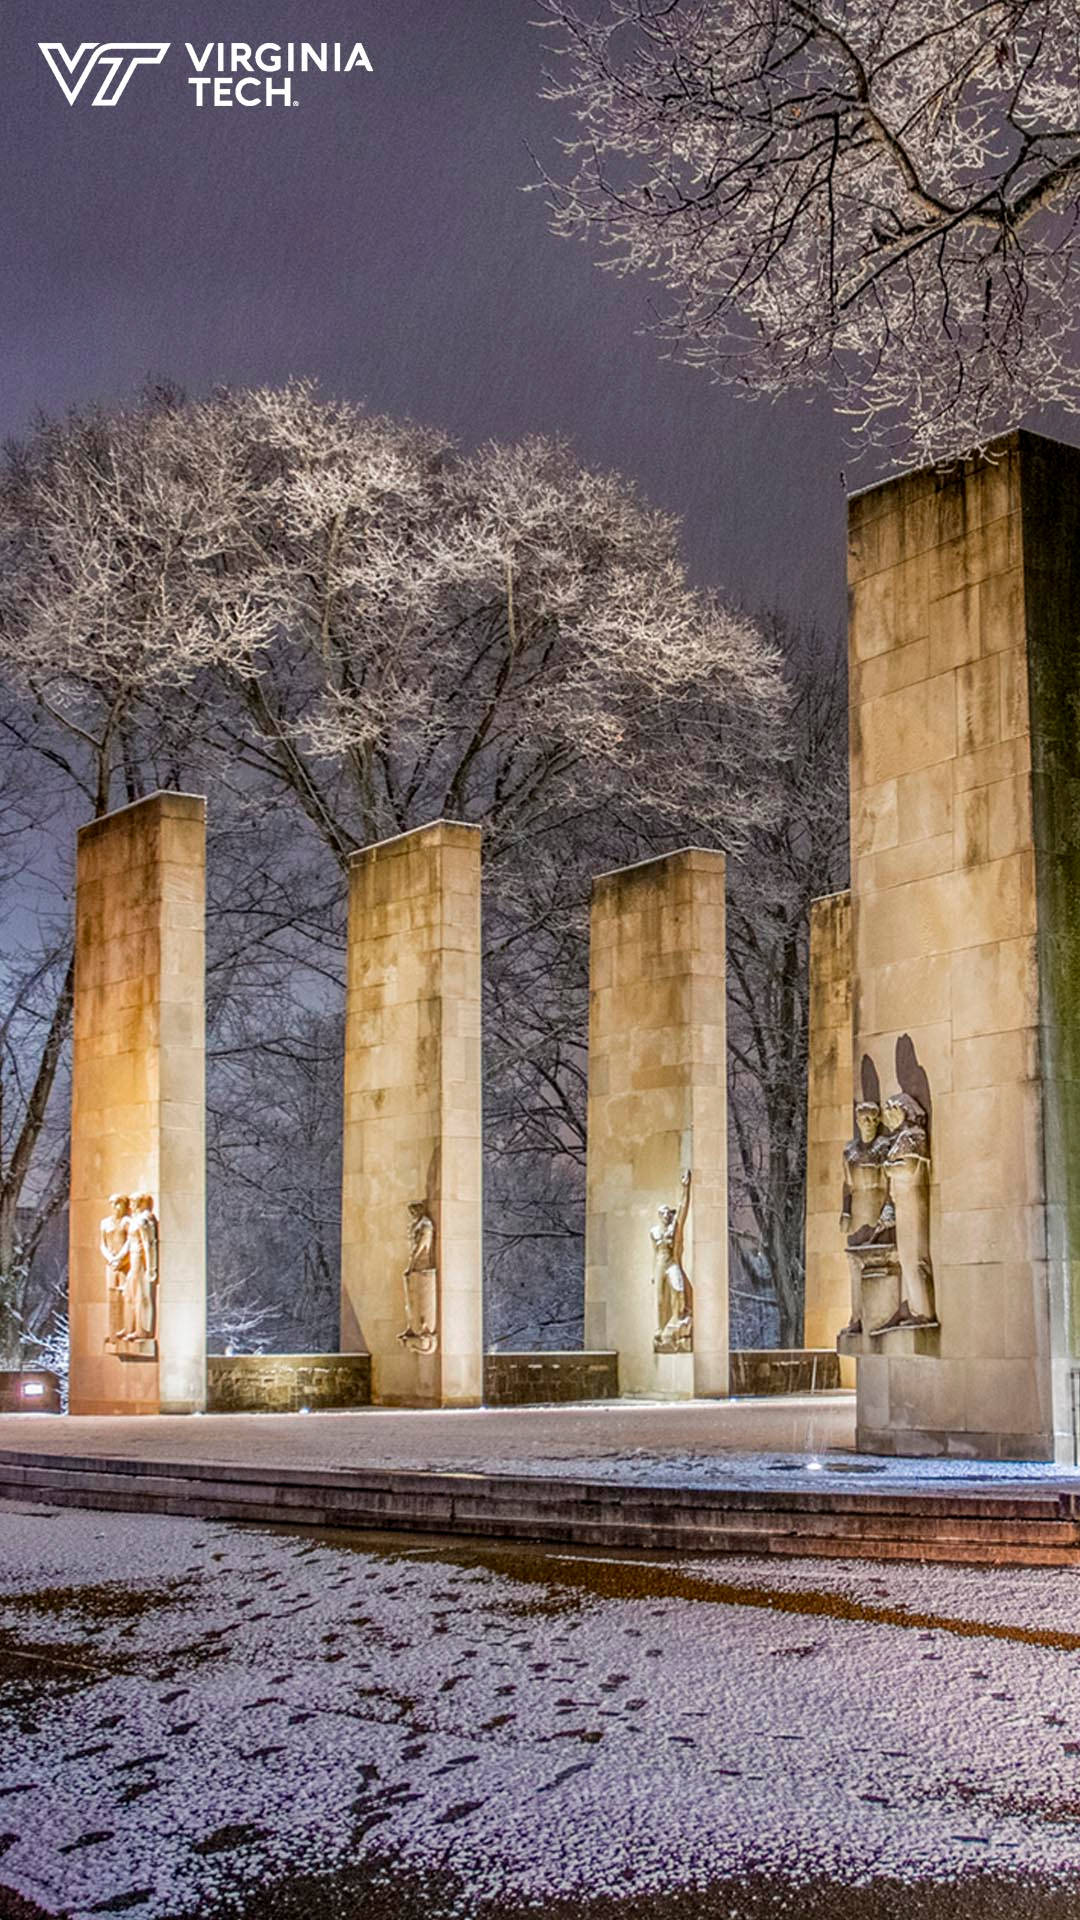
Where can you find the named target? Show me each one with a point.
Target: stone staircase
(1031, 1525)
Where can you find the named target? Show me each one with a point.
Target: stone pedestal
(413, 1117)
(138, 1104)
(965, 678)
(828, 1122)
(657, 1107)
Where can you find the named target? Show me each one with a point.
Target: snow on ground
(187, 1706)
(834, 1471)
(788, 1441)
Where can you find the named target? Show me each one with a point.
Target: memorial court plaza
(671, 1652)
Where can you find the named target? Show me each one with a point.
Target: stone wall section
(287, 1382)
(954, 583)
(829, 1123)
(412, 1127)
(549, 1379)
(767, 1370)
(138, 1118)
(657, 1104)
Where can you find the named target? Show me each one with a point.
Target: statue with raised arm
(421, 1282)
(674, 1294)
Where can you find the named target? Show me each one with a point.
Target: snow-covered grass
(188, 1707)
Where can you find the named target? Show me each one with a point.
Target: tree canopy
(879, 197)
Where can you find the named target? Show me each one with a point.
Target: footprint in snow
(223, 1838)
(459, 1811)
(137, 1791)
(581, 1766)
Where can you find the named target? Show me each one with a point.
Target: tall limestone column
(658, 1111)
(965, 681)
(137, 1261)
(412, 1196)
(828, 1123)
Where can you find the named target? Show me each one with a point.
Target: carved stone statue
(142, 1269)
(866, 1217)
(887, 1218)
(114, 1252)
(907, 1168)
(674, 1294)
(129, 1241)
(421, 1283)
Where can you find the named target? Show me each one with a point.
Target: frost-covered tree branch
(882, 198)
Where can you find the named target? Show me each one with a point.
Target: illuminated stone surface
(829, 1100)
(965, 874)
(138, 1113)
(412, 1110)
(657, 1107)
(286, 1382)
(540, 1379)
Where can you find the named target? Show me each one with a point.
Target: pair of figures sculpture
(886, 1217)
(674, 1294)
(129, 1247)
(421, 1332)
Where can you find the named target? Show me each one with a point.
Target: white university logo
(115, 60)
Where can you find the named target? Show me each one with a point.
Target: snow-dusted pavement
(189, 1710)
(784, 1441)
(498, 1439)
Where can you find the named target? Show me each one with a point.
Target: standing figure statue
(421, 1282)
(674, 1294)
(866, 1218)
(129, 1244)
(907, 1167)
(114, 1252)
(142, 1270)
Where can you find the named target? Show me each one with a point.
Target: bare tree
(275, 1199)
(36, 980)
(800, 855)
(880, 197)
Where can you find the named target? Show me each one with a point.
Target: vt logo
(116, 60)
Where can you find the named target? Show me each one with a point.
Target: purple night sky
(377, 236)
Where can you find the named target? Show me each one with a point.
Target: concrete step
(1008, 1529)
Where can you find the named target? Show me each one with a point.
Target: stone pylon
(965, 680)
(138, 1112)
(411, 1286)
(829, 1122)
(657, 1111)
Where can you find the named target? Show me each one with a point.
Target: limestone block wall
(657, 1104)
(138, 1109)
(413, 1108)
(544, 1379)
(762, 1370)
(965, 605)
(287, 1382)
(830, 1100)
